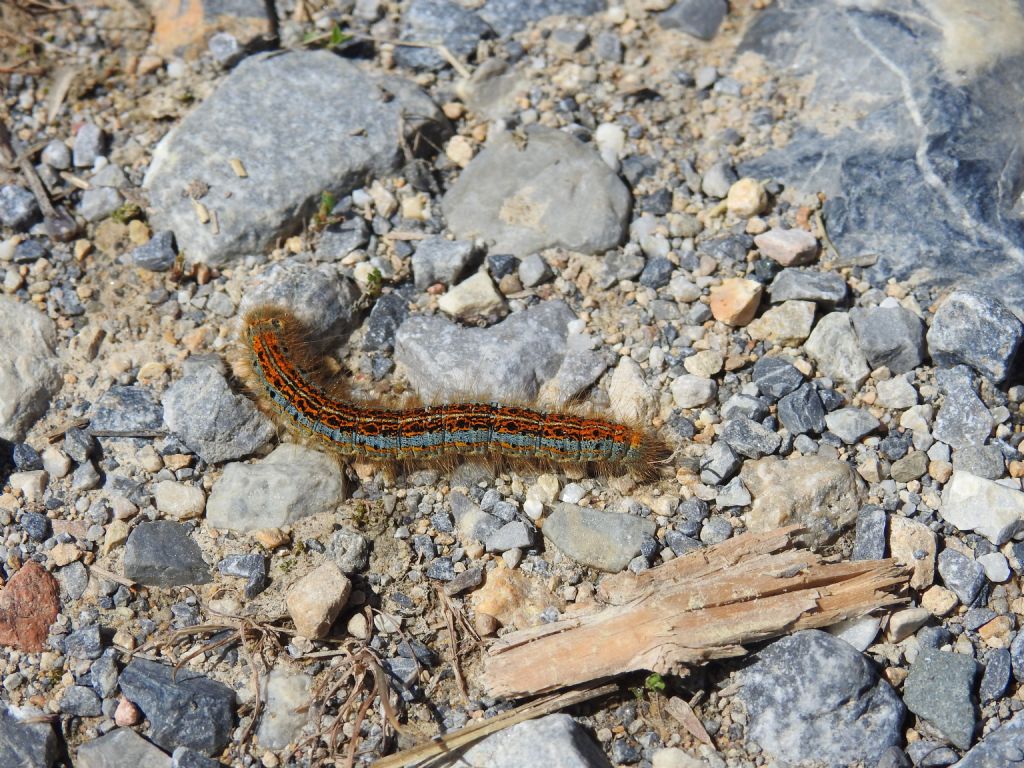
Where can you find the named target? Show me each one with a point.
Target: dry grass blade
(701, 606)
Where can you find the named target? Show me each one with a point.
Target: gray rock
(251, 567)
(718, 179)
(18, 207)
(603, 540)
(553, 192)
(339, 240)
(56, 155)
(533, 271)
(509, 16)
(851, 424)
(700, 18)
(801, 411)
(85, 477)
(776, 376)
(80, 701)
(30, 372)
(961, 574)
(719, 463)
(286, 694)
(158, 255)
(74, 579)
(104, 673)
(553, 741)
(388, 313)
(939, 688)
(1001, 748)
(869, 543)
(308, 99)
(608, 46)
(24, 743)
(350, 550)
(813, 697)
(472, 522)
(99, 202)
(84, 643)
(445, 21)
(980, 460)
(962, 420)
(976, 330)
(182, 757)
(890, 336)
(213, 421)
(290, 483)
(579, 370)
(508, 361)
(320, 297)
(511, 535)
(834, 348)
(127, 409)
(998, 672)
(745, 405)
(88, 145)
(162, 554)
(657, 272)
(184, 708)
(439, 260)
(749, 438)
(121, 748)
(896, 69)
(734, 494)
(827, 289)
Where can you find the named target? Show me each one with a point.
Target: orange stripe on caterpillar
(291, 383)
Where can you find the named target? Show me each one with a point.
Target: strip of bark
(701, 606)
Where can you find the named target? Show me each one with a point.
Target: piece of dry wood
(701, 606)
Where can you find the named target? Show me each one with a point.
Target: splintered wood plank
(701, 606)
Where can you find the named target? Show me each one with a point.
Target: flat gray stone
(834, 347)
(939, 688)
(851, 424)
(976, 330)
(121, 748)
(23, 743)
(508, 361)
(963, 419)
(30, 373)
(890, 336)
(290, 483)
(700, 18)
(814, 698)
(286, 694)
(162, 554)
(319, 124)
(603, 540)
(1001, 748)
(445, 21)
(213, 421)
(509, 16)
(827, 289)
(439, 260)
(553, 192)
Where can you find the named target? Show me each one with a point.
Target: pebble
(458, 28)
(290, 483)
(997, 569)
(162, 554)
(120, 748)
(997, 675)
(718, 464)
(18, 207)
(315, 600)
(553, 192)
(80, 701)
(212, 420)
(126, 409)
(961, 574)
(98, 203)
(31, 485)
(801, 411)
(350, 550)
(902, 624)
(689, 391)
(322, 299)
(88, 145)
(56, 462)
(553, 740)
(869, 541)
(938, 689)
(981, 460)
(439, 260)
(826, 289)
(184, 708)
(860, 632)
(749, 438)
(812, 697)
(512, 535)
(1000, 748)
(834, 347)
(30, 603)
(890, 336)
(972, 503)
(30, 372)
(788, 324)
(851, 424)
(963, 419)
(179, 501)
(976, 330)
(603, 540)
(718, 179)
(251, 567)
(788, 247)
(746, 198)
(822, 494)
(896, 393)
(473, 297)
(776, 376)
(286, 696)
(735, 301)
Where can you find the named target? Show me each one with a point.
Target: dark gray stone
(24, 743)
(976, 330)
(961, 574)
(104, 673)
(869, 543)
(719, 464)
(1017, 656)
(700, 18)
(183, 757)
(121, 748)
(445, 21)
(79, 444)
(126, 409)
(826, 289)
(939, 688)
(745, 405)
(920, 126)
(889, 336)
(801, 411)
(158, 254)
(1001, 748)
(440, 260)
(894, 757)
(339, 240)
(657, 272)
(80, 701)
(441, 569)
(680, 543)
(776, 376)
(998, 672)
(510, 536)
(162, 554)
(981, 460)
(608, 46)
(692, 513)
(36, 525)
(716, 183)
(18, 207)
(321, 124)
(323, 300)
(214, 422)
(29, 251)
(184, 708)
(813, 697)
(963, 419)
(507, 17)
(26, 458)
(84, 643)
(251, 567)
(749, 438)
(716, 530)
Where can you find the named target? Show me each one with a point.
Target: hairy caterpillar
(290, 382)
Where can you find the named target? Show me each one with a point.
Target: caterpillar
(292, 384)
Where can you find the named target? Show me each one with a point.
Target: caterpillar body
(291, 383)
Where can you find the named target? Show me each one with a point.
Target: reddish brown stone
(183, 27)
(28, 606)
